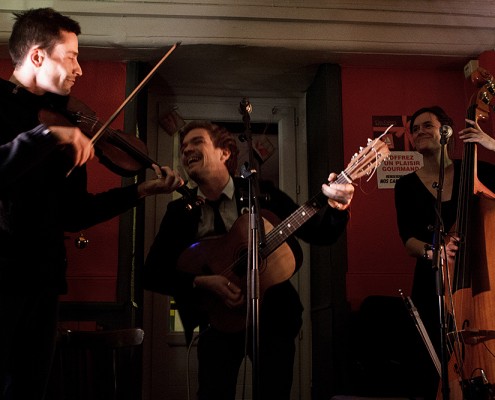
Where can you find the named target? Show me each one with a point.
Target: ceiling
(271, 47)
(249, 70)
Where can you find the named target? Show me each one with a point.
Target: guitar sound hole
(240, 266)
(205, 270)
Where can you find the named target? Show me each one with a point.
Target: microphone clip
(245, 107)
(445, 133)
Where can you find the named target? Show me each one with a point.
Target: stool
(94, 365)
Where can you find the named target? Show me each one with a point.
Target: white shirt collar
(228, 190)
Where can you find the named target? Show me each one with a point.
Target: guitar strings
(308, 209)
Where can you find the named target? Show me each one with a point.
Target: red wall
(378, 264)
(92, 272)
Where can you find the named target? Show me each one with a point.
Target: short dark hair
(38, 27)
(220, 137)
(442, 117)
(435, 110)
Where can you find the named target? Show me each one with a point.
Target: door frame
(290, 116)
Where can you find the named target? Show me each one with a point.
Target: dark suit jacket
(178, 231)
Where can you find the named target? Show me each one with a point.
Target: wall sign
(403, 159)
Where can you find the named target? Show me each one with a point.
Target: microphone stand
(256, 238)
(437, 264)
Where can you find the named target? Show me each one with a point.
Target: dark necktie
(218, 224)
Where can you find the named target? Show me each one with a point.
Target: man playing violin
(209, 156)
(40, 199)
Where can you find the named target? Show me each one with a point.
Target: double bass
(470, 278)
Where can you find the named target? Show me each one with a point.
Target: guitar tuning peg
(369, 141)
(361, 148)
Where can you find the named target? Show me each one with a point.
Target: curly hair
(220, 137)
(38, 27)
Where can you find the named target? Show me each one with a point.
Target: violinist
(415, 202)
(40, 200)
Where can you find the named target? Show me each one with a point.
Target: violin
(121, 153)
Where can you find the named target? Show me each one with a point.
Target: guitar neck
(366, 162)
(298, 218)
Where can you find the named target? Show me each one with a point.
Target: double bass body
(472, 360)
(471, 278)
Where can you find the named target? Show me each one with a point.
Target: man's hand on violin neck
(79, 144)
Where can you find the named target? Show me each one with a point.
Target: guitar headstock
(367, 160)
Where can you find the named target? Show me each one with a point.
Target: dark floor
(388, 357)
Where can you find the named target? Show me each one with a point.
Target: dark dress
(415, 207)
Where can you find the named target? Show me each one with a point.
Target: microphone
(446, 131)
(245, 106)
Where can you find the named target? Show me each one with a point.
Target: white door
(170, 369)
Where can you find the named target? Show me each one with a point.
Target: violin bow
(129, 98)
(132, 95)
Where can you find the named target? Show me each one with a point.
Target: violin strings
(121, 143)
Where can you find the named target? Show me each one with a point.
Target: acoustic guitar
(280, 257)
